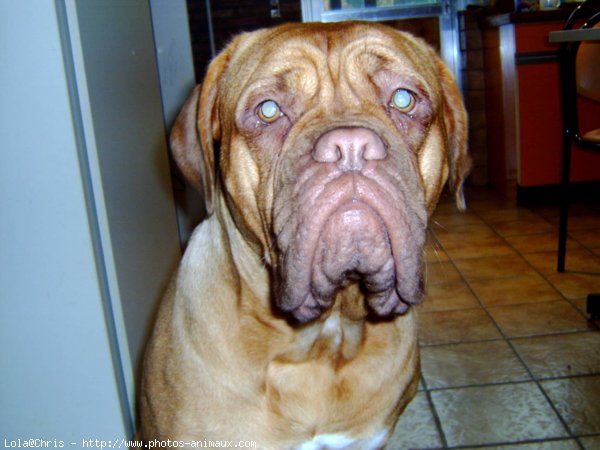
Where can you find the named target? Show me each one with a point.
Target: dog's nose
(350, 148)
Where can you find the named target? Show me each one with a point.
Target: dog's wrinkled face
(335, 142)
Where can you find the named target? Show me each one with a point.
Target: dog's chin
(356, 242)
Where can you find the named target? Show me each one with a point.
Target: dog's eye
(268, 111)
(404, 100)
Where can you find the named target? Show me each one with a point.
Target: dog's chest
(343, 442)
(313, 393)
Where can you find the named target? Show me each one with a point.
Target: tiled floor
(509, 359)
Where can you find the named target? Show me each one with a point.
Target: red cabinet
(523, 109)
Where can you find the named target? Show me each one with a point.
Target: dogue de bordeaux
(321, 150)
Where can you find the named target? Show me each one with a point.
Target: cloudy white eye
(404, 100)
(268, 111)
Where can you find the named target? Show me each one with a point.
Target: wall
(471, 46)
(89, 231)
(177, 79)
(56, 360)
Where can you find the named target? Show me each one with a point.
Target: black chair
(579, 76)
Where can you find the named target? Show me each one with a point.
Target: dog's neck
(244, 256)
(336, 336)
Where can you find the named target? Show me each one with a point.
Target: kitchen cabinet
(523, 108)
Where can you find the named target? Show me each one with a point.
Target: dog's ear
(196, 129)
(456, 123)
(186, 149)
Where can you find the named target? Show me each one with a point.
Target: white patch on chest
(342, 442)
(332, 328)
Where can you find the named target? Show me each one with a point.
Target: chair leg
(593, 306)
(562, 233)
(565, 196)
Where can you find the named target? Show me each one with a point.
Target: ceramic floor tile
(453, 221)
(472, 241)
(587, 237)
(538, 319)
(563, 444)
(547, 211)
(462, 234)
(574, 285)
(469, 364)
(493, 267)
(497, 414)
(582, 260)
(581, 305)
(584, 222)
(591, 443)
(481, 205)
(578, 260)
(584, 209)
(528, 288)
(446, 327)
(577, 401)
(434, 252)
(508, 215)
(446, 206)
(448, 296)
(539, 242)
(544, 262)
(561, 355)
(441, 272)
(416, 428)
(528, 226)
(476, 248)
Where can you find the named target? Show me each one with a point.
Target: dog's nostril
(328, 151)
(374, 150)
(338, 153)
(331, 153)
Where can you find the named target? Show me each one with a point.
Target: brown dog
(321, 151)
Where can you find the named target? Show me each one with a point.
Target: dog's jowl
(321, 150)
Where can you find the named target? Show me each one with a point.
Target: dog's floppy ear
(455, 121)
(196, 129)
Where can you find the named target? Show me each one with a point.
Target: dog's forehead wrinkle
(294, 65)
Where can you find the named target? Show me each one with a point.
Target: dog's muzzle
(347, 220)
